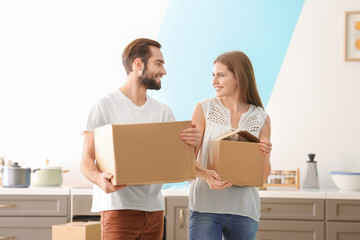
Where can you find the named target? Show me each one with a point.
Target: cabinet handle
(12, 237)
(5, 206)
(181, 218)
(265, 209)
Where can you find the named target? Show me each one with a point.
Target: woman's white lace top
(242, 201)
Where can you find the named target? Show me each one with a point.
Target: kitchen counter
(35, 191)
(176, 191)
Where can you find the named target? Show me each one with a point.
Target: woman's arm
(212, 178)
(266, 146)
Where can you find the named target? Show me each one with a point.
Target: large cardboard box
(77, 231)
(148, 153)
(237, 158)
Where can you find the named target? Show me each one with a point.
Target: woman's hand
(265, 146)
(104, 182)
(192, 136)
(214, 181)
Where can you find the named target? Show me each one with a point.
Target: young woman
(218, 209)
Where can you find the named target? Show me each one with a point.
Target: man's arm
(89, 169)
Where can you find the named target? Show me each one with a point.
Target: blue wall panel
(194, 33)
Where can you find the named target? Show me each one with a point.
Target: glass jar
(276, 177)
(289, 177)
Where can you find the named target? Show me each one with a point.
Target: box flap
(244, 134)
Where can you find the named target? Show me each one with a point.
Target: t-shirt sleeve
(96, 117)
(170, 116)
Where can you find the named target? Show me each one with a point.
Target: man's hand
(104, 182)
(192, 136)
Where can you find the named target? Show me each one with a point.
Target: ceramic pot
(47, 176)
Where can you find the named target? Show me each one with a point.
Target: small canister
(289, 177)
(276, 177)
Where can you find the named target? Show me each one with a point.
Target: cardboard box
(77, 231)
(237, 158)
(148, 153)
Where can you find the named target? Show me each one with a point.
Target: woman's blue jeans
(211, 226)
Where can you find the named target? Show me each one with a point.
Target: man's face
(153, 70)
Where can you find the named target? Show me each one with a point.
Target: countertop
(35, 191)
(182, 191)
(292, 193)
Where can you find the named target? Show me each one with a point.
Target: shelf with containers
(284, 178)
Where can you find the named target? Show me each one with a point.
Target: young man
(131, 212)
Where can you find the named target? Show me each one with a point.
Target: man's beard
(149, 81)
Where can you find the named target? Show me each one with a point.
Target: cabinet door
(28, 228)
(343, 210)
(33, 205)
(177, 218)
(294, 230)
(292, 209)
(81, 205)
(343, 230)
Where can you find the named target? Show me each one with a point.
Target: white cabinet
(177, 218)
(280, 218)
(284, 219)
(343, 219)
(30, 217)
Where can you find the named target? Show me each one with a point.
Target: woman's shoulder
(259, 112)
(209, 101)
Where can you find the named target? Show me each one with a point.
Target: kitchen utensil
(311, 177)
(15, 176)
(347, 181)
(47, 176)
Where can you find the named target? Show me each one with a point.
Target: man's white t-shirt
(116, 108)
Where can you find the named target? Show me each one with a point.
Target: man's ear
(138, 64)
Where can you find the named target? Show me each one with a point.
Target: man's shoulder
(158, 104)
(110, 97)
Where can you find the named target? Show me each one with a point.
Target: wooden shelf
(297, 181)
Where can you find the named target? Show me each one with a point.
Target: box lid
(245, 134)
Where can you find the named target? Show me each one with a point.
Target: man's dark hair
(139, 48)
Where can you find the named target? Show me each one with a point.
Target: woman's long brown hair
(240, 65)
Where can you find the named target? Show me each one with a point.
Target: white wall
(315, 103)
(56, 59)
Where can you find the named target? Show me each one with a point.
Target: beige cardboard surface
(239, 162)
(149, 153)
(77, 231)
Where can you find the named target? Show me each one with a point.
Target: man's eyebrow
(159, 60)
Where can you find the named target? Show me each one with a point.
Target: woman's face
(224, 81)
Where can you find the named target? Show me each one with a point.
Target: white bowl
(348, 181)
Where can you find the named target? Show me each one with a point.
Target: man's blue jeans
(211, 226)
